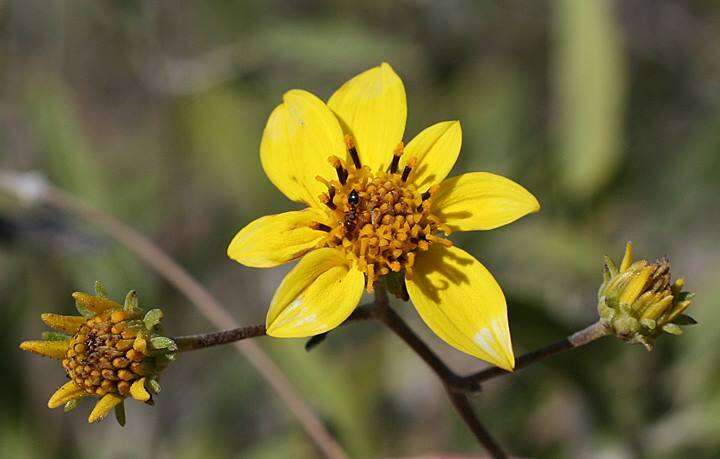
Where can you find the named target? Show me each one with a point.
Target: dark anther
(394, 164)
(405, 173)
(353, 198)
(321, 227)
(341, 173)
(425, 196)
(354, 155)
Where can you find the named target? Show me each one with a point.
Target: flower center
(380, 219)
(106, 355)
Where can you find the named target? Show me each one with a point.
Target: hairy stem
(459, 400)
(580, 338)
(205, 340)
(462, 405)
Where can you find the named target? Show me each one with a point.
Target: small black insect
(354, 198)
(351, 216)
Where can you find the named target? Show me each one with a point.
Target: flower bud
(110, 352)
(638, 301)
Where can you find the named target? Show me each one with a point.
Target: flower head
(639, 302)
(378, 208)
(110, 352)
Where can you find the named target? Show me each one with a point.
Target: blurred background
(608, 111)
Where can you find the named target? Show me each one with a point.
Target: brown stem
(33, 189)
(449, 379)
(580, 338)
(205, 340)
(462, 406)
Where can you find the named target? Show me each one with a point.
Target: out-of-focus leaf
(74, 164)
(225, 129)
(589, 88)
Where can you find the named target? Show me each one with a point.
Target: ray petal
(51, 349)
(104, 406)
(67, 324)
(68, 392)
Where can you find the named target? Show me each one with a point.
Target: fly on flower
(109, 352)
(378, 207)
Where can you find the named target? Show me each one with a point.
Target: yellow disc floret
(380, 219)
(106, 356)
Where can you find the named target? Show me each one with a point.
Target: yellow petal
(67, 324)
(316, 296)
(69, 391)
(372, 108)
(52, 349)
(636, 285)
(138, 391)
(627, 258)
(95, 303)
(481, 201)
(103, 407)
(277, 239)
(461, 302)
(300, 135)
(436, 149)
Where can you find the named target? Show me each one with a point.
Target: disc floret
(381, 220)
(111, 351)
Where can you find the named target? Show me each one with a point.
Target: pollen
(106, 355)
(381, 220)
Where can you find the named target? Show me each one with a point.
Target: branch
(447, 376)
(462, 406)
(205, 340)
(581, 338)
(33, 189)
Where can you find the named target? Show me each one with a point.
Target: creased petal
(276, 239)
(138, 391)
(67, 392)
(300, 135)
(481, 201)
(103, 407)
(373, 109)
(436, 149)
(316, 296)
(461, 302)
(51, 349)
(67, 324)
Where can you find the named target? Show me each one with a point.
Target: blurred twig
(35, 189)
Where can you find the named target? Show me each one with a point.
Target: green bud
(638, 302)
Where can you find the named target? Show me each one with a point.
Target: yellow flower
(111, 351)
(638, 302)
(376, 206)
